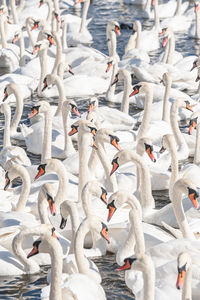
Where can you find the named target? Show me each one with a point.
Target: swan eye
(183, 268)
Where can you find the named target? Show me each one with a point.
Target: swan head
(183, 263)
(141, 87)
(13, 172)
(40, 245)
(93, 103)
(187, 187)
(70, 105)
(111, 61)
(105, 135)
(40, 107)
(120, 158)
(192, 124)
(145, 145)
(166, 79)
(181, 102)
(114, 26)
(98, 226)
(127, 264)
(16, 36)
(116, 200)
(9, 90)
(83, 126)
(48, 192)
(41, 171)
(95, 189)
(143, 263)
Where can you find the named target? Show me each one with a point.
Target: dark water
(28, 287)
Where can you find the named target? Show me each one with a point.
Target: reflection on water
(28, 287)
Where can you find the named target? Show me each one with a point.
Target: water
(28, 287)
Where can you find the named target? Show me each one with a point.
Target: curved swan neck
(61, 91)
(22, 61)
(28, 29)
(63, 178)
(81, 261)
(156, 16)
(127, 88)
(6, 135)
(20, 7)
(26, 186)
(107, 166)
(68, 148)
(111, 89)
(166, 114)
(42, 207)
(47, 138)
(84, 15)
(147, 113)
(58, 53)
(179, 212)
(197, 146)
(19, 108)
(138, 39)
(197, 24)
(64, 37)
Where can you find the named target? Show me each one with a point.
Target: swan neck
(26, 186)
(64, 37)
(197, 146)
(84, 16)
(61, 91)
(18, 111)
(178, 8)
(47, 138)
(68, 147)
(174, 165)
(138, 39)
(171, 42)
(127, 88)
(58, 54)
(149, 283)
(20, 7)
(2, 32)
(31, 41)
(43, 68)
(156, 16)
(14, 11)
(73, 212)
(166, 114)
(42, 208)
(6, 136)
(197, 25)
(111, 89)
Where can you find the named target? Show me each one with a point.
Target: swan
(10, 89)
(8, 150)
(194, 28)
(24, 58)
(9, 55)
(82, 35)
(75, 283)
(112, 28)
(149, 214)
(45, 135)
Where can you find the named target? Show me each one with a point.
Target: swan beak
(104, 233)
(117, 30)
(164, 43)
(116, 144)
(197, 79)
(112, 209)
(196, 8)
(70, 70)
(15, 39)
(78, 1)
(36, 25)
(93, 131)
(75, 111)
(51, 40)
(5, 96)
(94, 146)
(103, 196)
(41, 2)
(193, 198)
(109, 66)
(44, 86)
(53, 234)
(194, 66)
(126, 266)
(34, 251)
(36, 49)
(162, 149)
(8, 20)
(7, 182)
(52, 206)
(73, 131)
(91, 107)
(115, 80)
(180, 279)
(63, 223)
(16, 2)
(33, 113)
(193, 124)
(40, 173)
(134, 92)
(188, 107)
(149, 151)
(114, 168)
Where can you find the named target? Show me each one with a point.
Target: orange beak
(73, 131)
(162, 32)
(150, 154)
(192, 126)
(52, 207)
(5, 96)
(188, 107)
(105, 234)
(34, 251)
(196, 7)
(40, 173)
(7, 182)
(78, 1)
(41, 2)
(54, 235)
(135, 91)
(44, 86)
(91, 107)
(93, 132)
(109, 66)
(34, 26)
(193, 198)
(94, 146)
(51, 41)
(126, 266)
(33, 113)
(116, 144)
(117, 30)
(103, 196)
(114, 168)
(180, 280)
(111, 212)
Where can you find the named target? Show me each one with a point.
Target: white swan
(8, 150)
